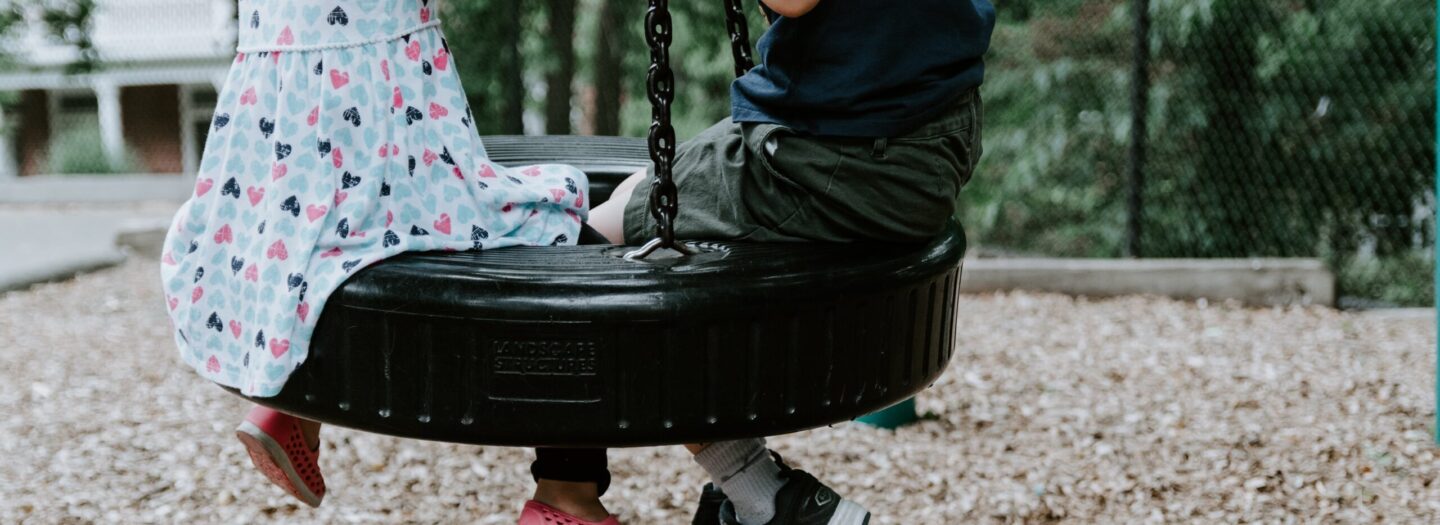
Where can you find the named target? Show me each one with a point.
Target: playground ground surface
(1055, 408)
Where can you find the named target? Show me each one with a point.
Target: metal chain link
(739, 28)
(660, 83)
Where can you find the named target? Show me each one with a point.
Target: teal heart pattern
(337, 142)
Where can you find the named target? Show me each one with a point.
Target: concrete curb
(61, 272)
(95, 188)
(1253, 281)
(1401, 314)
(144, 239)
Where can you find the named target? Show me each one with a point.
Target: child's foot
(708, 512)
(277, 447)
(804, 500)
(536, 513)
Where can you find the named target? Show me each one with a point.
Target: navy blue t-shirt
(865, 68)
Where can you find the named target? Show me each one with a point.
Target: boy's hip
(900, 188)
(766, 182)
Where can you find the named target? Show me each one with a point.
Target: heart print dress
(341, 137)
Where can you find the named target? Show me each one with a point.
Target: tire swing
(584, 346)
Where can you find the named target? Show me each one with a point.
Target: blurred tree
(1278, 128)
(558, 83)
(608, 75)
(484, 36)
(69, 20)
(1310, 127)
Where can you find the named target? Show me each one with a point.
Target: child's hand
(791, 8)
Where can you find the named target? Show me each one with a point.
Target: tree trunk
(512, 113)
(608, 74)
(558, 83)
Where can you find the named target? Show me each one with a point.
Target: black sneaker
(708, 513)
(804, 500)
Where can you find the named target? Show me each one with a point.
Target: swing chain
(739, 28)
(660, 83)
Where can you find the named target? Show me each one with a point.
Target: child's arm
(791, 8)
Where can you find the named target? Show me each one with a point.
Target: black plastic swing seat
(575, 346)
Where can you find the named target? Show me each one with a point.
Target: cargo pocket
(788, 171)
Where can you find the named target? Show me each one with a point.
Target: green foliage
(69, 21)
(79, 151)
(1052, 178)
(700, 57)
(1277, 129)
(481, 37)
(1404, 279)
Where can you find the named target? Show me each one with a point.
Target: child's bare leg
(311, 431)
(581, 500)
(609, 218)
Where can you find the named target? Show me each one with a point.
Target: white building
(150, 101)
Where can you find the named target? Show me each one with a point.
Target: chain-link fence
(1273, 129)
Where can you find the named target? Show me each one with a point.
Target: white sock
(747, 474)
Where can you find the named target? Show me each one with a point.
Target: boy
(861, 123)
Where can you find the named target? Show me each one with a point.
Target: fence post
(1139, 107)
(1437, 222)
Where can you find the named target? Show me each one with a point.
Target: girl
(341, 137)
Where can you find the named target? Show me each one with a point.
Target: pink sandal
(277, 447)
(536, 513)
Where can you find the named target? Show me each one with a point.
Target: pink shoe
(277, 448)
(536, 513)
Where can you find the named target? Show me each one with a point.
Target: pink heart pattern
(363, 150)
(224, 235)
(287, 37)
(338, 79)
(316, 211)
(277, 251)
